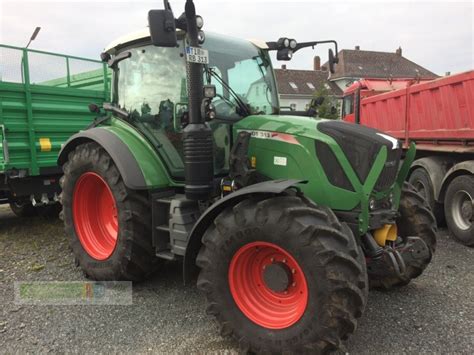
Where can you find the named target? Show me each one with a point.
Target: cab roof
(144, 33)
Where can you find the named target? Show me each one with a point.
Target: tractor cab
(150, 86)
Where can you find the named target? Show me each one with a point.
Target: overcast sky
(437, 35)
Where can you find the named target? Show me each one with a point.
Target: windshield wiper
(243, 107)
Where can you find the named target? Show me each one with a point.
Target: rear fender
(139, 165)
(273, 187)
(463, 168)
(436, 167)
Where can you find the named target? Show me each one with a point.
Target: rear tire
(326, 290)
(107, 223)
(416, 219)
(25, 209)
(459, 209)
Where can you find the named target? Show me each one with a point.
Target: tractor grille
(390, 171)
(361, 145)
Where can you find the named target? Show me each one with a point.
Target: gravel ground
(434, 314)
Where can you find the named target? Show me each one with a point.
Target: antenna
(167, 5)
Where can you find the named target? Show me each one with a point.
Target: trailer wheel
(416, 219)
(459, 208)
(107, 223)
(23, 209)
(282, 275)
(421, 181)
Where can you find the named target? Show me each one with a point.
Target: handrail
(25, 67)
(49, 53)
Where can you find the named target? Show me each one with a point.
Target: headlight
(199, 22)
(372, 204)
(201, 37)
(286, 42)
(293, 44)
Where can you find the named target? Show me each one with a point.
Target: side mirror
(332, 60)
(162, 28)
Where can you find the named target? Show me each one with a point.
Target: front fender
(194, 240)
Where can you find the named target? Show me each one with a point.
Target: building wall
(299, 103)
(257, 94)
(344, 82)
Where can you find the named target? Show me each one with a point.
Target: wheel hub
(95, 216)
(463, 209)
(268, 285)
(277, 277)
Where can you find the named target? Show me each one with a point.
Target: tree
(330, 107)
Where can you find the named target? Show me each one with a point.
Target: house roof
(371, 64)
(303, 82)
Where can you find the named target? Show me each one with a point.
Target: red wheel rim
(261, 304)
(95, 216)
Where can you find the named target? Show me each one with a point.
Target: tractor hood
(359, 144)
(312, 128)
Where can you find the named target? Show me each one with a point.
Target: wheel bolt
(293, 284)
(272, 259)
(293, 271)
(284, 260)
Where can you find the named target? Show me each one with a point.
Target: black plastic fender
(463, 168)
(122, 156)
(436, 167)
(194, 240)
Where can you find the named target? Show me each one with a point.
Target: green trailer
(44, 99)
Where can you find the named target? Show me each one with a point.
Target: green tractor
(286, 220)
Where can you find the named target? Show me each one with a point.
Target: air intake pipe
(197, 135)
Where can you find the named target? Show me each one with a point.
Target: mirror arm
(273, 46)
(167, 5)
(315, 43)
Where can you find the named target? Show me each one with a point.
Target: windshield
(151, 86)
(247, 70)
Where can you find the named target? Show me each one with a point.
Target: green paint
(302, 163)
(36, 104)
(153, 169)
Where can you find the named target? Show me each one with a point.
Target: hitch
(393, 260)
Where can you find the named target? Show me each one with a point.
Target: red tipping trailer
(437, 115)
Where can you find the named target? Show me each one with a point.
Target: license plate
(197, 55)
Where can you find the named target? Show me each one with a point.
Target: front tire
(283, 275)
(459, 209)
(107, 223)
